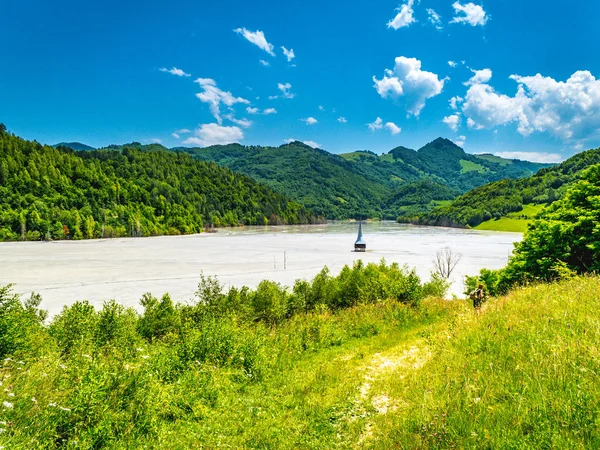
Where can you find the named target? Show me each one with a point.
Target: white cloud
(175, 71)
(407, 80)
(257, 38)
(434, 18)
(215, 134)
(321, 108)
(183, 131)
(393, 128)
(480, 77)
(342, 120)
(569, 110)
(540, 157)
(312, 144)
(156, 141)
(289, 54)
(377, 125)
(452, 64)
(310, 121)
(244, 123)
(265, 63)
(285, 89)
(454, 101)
(452, 121)
(469, 13)
(460, 141)
(175, 135)
(250, 110)
(215, 96)
(404, 17)
(268, 111)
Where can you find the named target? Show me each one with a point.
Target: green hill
(58, 193)
(506, 198)
(74, 146)
(376, 374)
(363, 184)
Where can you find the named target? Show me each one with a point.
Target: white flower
(64, 409)
(62, 366)
(477, 400)
(8, 405)
(52, 404)
(33, 400)
(11, 394)
(140, 349)
(145, 356)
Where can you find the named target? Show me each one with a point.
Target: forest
(497, 199)
(58, 193)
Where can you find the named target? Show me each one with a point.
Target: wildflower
(52, 404)
(2, 430)
(477, 400)
(64, 409)
(33, 400)
(7, 359)
(8, 405)
(140, 349)
(145, 356)
(11, 394)
(62, 366)
(20, 362)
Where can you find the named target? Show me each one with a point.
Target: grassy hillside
(74, 146)
(363, 184)
(521, 374)
(56, 193)
(499, 199)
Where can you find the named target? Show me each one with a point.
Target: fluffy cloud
(378, 125)
(569, 110)
(452, 121)
(460, 141)
(312, 144)
(404, 17)
(268, 111)
(342, 120)
(244, 123)
(250, 110)
(289, 54)
(480, 77)
(407, 80)
(175, 71)
(452, 64)
(310, 121)
(454, 101)
(175, 135)
(393, 128)
(469, 13)
(285, 89)
(541, 157)
(257, 38)
(215, 134)
(434, 18)
(214, 97)
(321, 108)
(265, 63)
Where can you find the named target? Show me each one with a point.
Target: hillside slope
(521, 374)
(363, 184)
(498, 199)
(61, 194)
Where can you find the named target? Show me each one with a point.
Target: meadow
(383, 365)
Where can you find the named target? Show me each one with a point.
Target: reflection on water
(124, 269)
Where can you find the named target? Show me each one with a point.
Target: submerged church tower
(360, 245)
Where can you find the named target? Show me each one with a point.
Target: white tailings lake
(124, 269)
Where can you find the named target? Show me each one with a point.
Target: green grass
(469, 166)
(495, 159)
(521, 374)
(516, 222)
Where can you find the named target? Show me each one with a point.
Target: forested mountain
(495, 200)
(58, 193)
(363, 184)
(443, 161)
(74, 146)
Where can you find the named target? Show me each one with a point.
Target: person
(477, 295)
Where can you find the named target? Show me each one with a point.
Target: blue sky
(364, 75)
